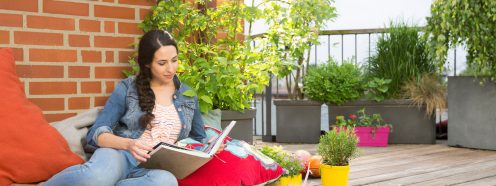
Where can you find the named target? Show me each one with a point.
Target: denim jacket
(121, 114)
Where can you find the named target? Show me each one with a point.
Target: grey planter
(243, 130)
(410, 124)
(298, 121)
(472, 113)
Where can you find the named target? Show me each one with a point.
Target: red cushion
(31, 150)
(239, 164)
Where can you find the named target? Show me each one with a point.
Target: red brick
(11, 20)
(144, 13)
(69, 8)
(110, 72)
(43, 88)
(79, 40)
(53, 23)
(49, 104)
(91, 87)
(100, 101)
(21, 5)
(79, 72)
(138, 2)
(52, 55)
(114, 12)
(113, 42)
(40, 71)
(18, 54)
(109, 56)
(4, 37)
(38, 38)
(130, 28)
(58, 117)
(109, 26)
(89, 25)
(79, 103)
(92, 56)
(110, 86)
(124, 56)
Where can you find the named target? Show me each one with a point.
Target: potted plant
(293, 27)
(371, 130)
(215, 59)
(337, 148)
(401, 57)
(471, 112)
(292, 166)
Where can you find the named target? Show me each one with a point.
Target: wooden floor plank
(459, 170)
(481, 182)
(462, 178)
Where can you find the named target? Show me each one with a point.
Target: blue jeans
(109, 166)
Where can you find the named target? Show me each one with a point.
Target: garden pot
(298, 121)
(243, 130)
(372, 137)
(294, 180)
(334, 175)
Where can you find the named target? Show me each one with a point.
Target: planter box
(243, 130)
(410, 124)
(472, 113)
(298, 121)
(369, 138)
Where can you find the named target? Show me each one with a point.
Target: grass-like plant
(338, 148)
(400, 56)
(291, 165)
(428, 91)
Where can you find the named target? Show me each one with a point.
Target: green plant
(428, 91)
(401, 55)
(291, 165)
(333, 83)
(377, 88)
(293, 27)
(338, 147)
(221, 67)
(471, 23)
(361, 119)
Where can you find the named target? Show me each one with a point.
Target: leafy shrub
(333, 83)
(377, 88)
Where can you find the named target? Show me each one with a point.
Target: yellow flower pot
(334, 175)
(288, 181)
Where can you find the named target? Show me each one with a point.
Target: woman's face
(164, 64)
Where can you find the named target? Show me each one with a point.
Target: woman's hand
(139, 150)
(221, 148)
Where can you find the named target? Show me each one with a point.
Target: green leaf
(206, 99)
(189, 93)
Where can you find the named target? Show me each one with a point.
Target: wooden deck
(436, 164)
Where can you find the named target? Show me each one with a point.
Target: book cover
(182, 161)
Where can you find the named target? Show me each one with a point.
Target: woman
(141, 112)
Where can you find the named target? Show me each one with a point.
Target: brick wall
(70, 53)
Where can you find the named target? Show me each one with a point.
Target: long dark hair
(148, 45)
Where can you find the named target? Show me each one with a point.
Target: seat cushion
(31, 150)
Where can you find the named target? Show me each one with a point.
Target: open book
(182, 161)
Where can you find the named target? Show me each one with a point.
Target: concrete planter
(243, 130)
(410, 124)
(298, 121)
(472, 113)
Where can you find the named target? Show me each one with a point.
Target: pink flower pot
(367, 137)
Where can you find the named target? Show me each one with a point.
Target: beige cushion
(74, 130)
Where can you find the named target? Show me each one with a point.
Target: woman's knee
(161, 177)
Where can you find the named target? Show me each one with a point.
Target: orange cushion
(30, 149)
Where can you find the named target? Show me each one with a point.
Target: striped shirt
(165, 127)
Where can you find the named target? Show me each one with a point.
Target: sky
(364, 14)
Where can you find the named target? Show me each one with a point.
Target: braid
(146, 98)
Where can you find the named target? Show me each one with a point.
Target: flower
(352, 116)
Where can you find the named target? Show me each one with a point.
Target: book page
(212, 149)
